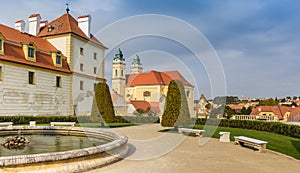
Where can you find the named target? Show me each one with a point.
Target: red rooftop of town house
(13, 50)
(66, 24)
(140, 104)
(155, 78)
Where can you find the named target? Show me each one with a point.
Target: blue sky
(258, 41)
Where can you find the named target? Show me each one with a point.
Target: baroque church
(143, 90)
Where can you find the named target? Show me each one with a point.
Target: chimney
(20, 25)
(34, 24)
(84, 23)
(43, 23)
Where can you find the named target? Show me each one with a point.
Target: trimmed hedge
(38, 119)
(125, 119)
(272, 127)
(79, 119)
(137, 119)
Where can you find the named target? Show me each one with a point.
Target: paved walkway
(190, 157)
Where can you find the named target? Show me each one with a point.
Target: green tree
(208, 106)
(245, 111)
(228, 112)
(288, 97)
(283, 100)
(268, 102)
(176, 109)
(102, 109)
(295, 98)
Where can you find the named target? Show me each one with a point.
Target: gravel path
(151, 152)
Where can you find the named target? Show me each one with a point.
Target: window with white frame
(95, 56)
(188, 94)
(58, 59)
(95, 70)
(1, 74)
(31, 50)
(81, 85)
(81, 67)
(81, 50)
(58, 82)
(95, 86)
(31, 78)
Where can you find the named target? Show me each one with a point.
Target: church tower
(136, 66)
(119, 73)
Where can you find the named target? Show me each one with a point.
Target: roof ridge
(68, 20)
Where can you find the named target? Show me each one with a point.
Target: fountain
(16, 142)
(74, 149)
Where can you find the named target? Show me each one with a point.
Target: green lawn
(283, 144)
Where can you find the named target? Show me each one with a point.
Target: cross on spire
(67, 9)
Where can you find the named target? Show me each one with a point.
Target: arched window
(147, 94)
(122, 73)
(116, 72)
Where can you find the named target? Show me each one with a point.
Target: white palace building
(52, 69)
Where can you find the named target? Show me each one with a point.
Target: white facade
(87, 72)
(85, 60)
(18, 97)
(34, 24)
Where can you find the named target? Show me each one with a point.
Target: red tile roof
(66, 24)
(18, 21)
(238, 107)
(140, 104)
(15, 53)
(34, 15)
(279, 111)
(16, 36)
(155, 78)
(84, 16)
(274, 109)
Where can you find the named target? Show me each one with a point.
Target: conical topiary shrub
(176, 109)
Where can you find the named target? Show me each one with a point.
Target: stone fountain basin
(117, 148)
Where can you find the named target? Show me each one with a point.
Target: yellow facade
(26, 47)
(157, 91)
(2, 38)
(267, 113)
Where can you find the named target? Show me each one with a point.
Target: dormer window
(57, 58)
(50, 28)
(1, 44)
(29, 51)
